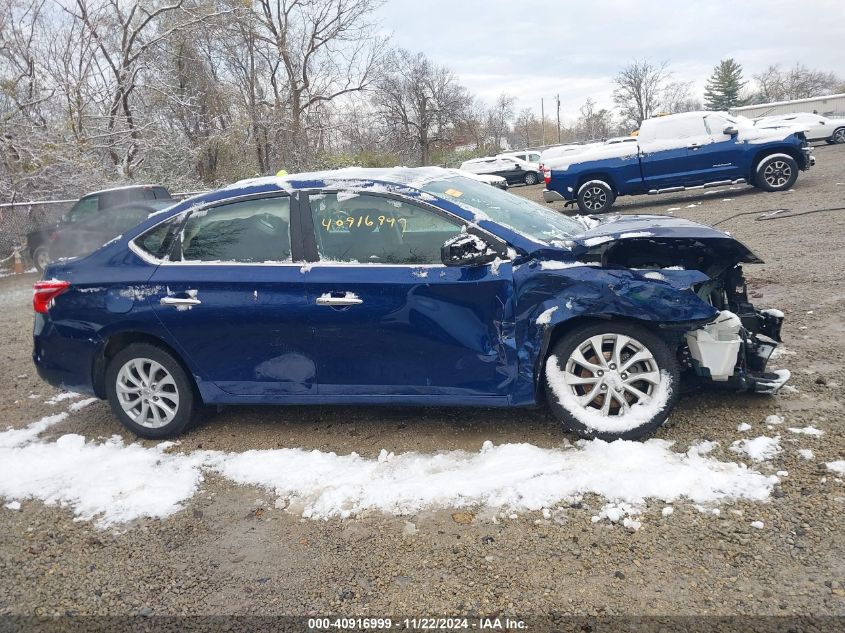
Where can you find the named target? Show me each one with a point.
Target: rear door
(389, 318)
(234, 299)
(671, 155)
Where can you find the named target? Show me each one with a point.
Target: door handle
(693, 146)
(349, 299)
(177, 302)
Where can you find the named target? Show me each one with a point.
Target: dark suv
(86, 211)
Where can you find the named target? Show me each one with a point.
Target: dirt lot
(232, 551)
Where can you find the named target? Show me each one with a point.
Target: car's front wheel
(150, 392)
(531, 178)
(611, 381)
(595, 196)
(776, 173)
(838, 136)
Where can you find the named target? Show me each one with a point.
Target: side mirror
(466, 250)
(730, 131)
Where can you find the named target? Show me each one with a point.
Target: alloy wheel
(777, 173)
(839, 135)
(595, 198)
(608, 373)
(147, 393)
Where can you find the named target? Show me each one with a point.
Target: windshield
(523, 216)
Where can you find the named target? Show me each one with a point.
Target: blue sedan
(401, 286)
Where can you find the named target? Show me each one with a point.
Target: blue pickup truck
(678, 152)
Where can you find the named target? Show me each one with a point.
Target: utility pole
(543, 121)
(558, 117)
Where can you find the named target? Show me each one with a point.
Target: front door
(389, 319)
(235, 301)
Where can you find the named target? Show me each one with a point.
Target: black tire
(531, 178)
(595, 196)
(574, 416)
(188, 401)
(838, 136)
(40, 258)
(776, 173)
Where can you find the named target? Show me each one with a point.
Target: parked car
(814, 126)
(511, 169)
(76, 239)
(490, 179)
(401, 286)
(677, 152)
(91, 205)
(527, 155)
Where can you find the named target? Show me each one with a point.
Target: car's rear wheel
(41, 258)
(150, 392)
(595, 196)
(776, 173)
(611, 381)
(531, 178)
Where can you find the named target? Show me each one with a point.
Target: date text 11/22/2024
(421, 623)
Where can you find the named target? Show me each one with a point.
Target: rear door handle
(349, 299)
(179, 301)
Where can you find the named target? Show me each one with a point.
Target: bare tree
(797, 82)
(640, 89)
(677, 97)
(594, 124)
(499, 117)
(325, 49)
(524, 123)
(419, 102)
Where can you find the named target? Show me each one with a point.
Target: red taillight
(45, 291)
(547, 175)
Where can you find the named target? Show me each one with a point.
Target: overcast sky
(537, 48)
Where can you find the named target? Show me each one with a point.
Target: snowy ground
(734, 508)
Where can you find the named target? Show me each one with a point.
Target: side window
(716, 124)
(157, 240)
(253, 231)
(85, 208)
(371, 229)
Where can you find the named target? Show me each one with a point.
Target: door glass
(82, 209)
(253, 231)
(373, 229)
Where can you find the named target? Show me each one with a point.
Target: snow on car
(677, 152)
(814, 126)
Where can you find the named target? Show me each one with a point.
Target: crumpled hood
(651, 230)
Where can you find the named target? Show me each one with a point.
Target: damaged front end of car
(733, 349)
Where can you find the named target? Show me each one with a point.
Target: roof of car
(121, 188)
(408, 176)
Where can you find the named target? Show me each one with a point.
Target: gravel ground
(231, 551)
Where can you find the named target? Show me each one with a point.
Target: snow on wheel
(777, 172)
(595, 196)
(611, 381)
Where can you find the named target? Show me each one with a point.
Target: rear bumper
(552, 196)
(63, 361)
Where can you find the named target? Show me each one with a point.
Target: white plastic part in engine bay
(716, 345)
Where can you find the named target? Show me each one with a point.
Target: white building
(830, 105)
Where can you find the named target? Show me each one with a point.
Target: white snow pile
(807, 430)
(744, 426)
(806, 453)
(759, 448)
(837, 466)
(112, 483)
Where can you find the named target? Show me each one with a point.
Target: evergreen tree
(723, 87)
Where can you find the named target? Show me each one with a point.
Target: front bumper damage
(733, 351)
